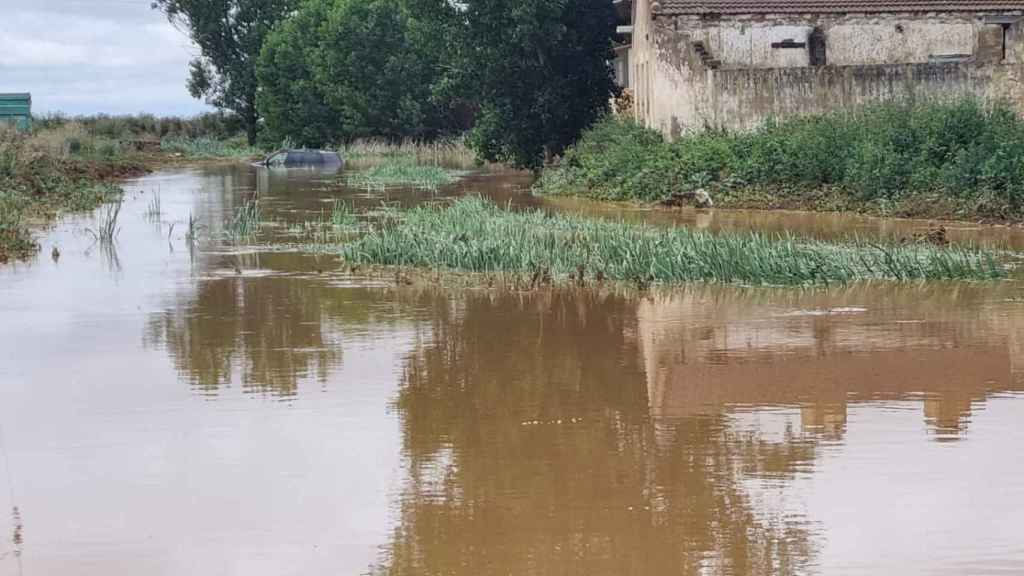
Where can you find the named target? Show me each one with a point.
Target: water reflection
(266, 336)
(530, 451)
(708, 430)
(594, 434)
(952, 345)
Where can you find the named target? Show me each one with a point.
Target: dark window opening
(1006, 32)
(818, 54)
(789, 43)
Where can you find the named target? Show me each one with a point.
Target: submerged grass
(474, 235)
(401, 173)
(245, 222)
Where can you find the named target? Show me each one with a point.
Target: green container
(16, 109)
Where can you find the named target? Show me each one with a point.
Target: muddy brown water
(254, 411)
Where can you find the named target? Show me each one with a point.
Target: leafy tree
(230, 35)
(540, 71)
(292, 105)
(345, 69)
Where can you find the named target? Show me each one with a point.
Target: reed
(245, 222)
(194, 229)
(154, 210)
(474, 235)
(343, 214)
(107, 227)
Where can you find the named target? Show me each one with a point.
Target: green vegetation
(935, 159)
(476, 236)
(402, 172)
(107, 228)
(538, 70)
(339, 70)
(246, 221)
(125, 137)
(38, 184)
(230, 35)
(521, 79)
(205, 147)
(438, 152)
(343, 214)
(154, 210)
(216, 125)
(338, 224)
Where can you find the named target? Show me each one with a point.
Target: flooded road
(167, 409)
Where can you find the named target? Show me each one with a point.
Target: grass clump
(403, 173)
(955, 158)
(474, 235)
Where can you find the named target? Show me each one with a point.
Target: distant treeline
(217, 125)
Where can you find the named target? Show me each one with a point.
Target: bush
(963, 150)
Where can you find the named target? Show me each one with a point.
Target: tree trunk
(250, 130)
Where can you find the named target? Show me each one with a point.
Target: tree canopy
(230, 35)
(528, 75)
(540, 71)
(344, 69)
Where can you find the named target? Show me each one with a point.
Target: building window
(817, 52)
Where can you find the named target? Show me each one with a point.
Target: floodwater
(258, 411)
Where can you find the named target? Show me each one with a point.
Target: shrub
(963, 150)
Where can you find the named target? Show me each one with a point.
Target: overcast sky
(93, 56)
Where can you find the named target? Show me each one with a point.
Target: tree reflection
(266, 334)
(531, 450)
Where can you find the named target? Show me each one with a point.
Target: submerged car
(303, 158)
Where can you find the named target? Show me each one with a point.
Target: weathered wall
(743, 99)
(746, 42)
(696, 73)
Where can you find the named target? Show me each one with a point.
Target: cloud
(100, 56)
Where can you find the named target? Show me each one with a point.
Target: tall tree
(230, 35)
(540, 71)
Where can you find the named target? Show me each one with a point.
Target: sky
(95, 56)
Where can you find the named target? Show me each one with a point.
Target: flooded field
(169, 407)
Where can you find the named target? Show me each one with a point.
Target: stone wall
(734, 72)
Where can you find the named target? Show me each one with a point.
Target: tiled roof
(830, 6)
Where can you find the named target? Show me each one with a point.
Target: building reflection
(706, 350)
(531, 450)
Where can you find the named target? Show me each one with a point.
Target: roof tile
(831, 6)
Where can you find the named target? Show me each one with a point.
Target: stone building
(700, 64)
